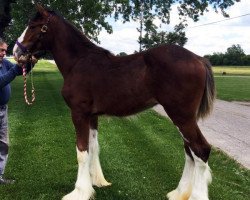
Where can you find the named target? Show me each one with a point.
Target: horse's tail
(208, 97)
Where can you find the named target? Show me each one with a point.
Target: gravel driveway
(227, 128)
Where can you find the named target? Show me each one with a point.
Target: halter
(26, 51)
(43, 30)
(23, 48)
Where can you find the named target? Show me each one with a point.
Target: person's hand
(33, 60)
(24, 59)
(21, 60)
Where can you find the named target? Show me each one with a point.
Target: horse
(96, 82)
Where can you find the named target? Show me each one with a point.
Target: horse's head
(31, 42)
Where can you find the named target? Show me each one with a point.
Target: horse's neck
(66, 53)
(63, 59)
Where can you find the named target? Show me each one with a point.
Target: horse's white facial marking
(20, 39)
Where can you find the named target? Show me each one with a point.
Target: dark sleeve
(20, 69)
(9, 76)
(17, 67)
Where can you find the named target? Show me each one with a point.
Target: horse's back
(170, 55)
(178, 77)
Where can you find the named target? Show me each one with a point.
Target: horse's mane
(79, 37)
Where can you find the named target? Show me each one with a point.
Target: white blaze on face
(20, 39)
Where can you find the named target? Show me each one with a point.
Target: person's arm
(10, 75)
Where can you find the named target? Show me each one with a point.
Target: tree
(91, 15)
(88, 15)
(178, 36)
(153, 38)
(234, 55)
(246, 60)
(235, 50)
(216, 58)
(146, 24)
(5, 16)
(147, 11)
(121, 54)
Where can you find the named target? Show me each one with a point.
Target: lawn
(142, 156)
(233, 88)
(234, 85)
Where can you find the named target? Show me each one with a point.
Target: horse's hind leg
(96, 173)
(196, 168)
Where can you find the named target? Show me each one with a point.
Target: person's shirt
(8, 72)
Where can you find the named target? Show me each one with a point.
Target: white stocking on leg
(96, 173)
(83, 187)
(202, 177)
(184, 189)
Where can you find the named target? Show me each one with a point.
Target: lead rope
(25, 86)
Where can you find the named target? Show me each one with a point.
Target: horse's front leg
(96, 173)
(83, 187)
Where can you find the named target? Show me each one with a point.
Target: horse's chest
(75, 94)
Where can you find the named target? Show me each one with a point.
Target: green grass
(235, 85)
(142, 156)
(233, 88)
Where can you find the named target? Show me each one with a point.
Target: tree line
(234, 55)
(91, 16)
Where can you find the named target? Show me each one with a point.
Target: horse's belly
(124, 106)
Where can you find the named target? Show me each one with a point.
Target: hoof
(78, 194)
(175, 195)
(101, 183)
(198, 198)
(99, 180)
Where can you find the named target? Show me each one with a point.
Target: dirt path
(227, 128)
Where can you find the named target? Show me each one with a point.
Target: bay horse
(98, 83)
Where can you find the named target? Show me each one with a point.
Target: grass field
(232, 70)
(142, 156)
(235, 85)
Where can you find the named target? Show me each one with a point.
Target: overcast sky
(202, 40)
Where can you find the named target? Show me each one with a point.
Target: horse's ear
(41, 10)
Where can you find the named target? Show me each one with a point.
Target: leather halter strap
(23, 48)
(43, 30)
